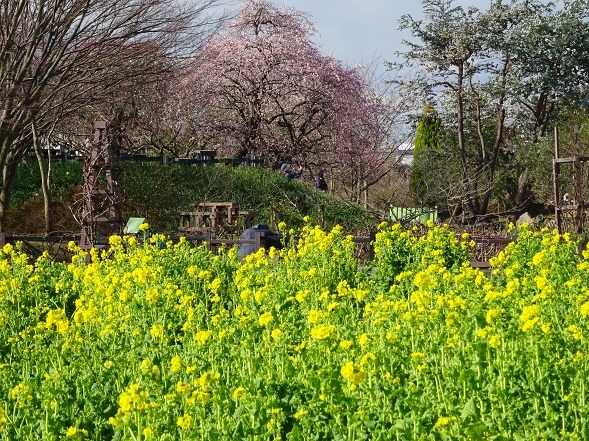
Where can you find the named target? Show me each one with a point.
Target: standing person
(320, 181)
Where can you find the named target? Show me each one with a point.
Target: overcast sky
(360, 31)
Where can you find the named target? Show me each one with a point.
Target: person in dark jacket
(320, 181)
(268, 239)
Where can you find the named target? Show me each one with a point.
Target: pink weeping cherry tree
(261, 87)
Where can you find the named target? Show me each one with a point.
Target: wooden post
(555, 176)
(273, 223)
(371, 246)
(208, 239)
(258, 240)
(577, 182)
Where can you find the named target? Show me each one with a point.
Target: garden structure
(569, 212)
(220, 218)
(101, 215)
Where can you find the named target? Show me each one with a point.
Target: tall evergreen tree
(426, 151)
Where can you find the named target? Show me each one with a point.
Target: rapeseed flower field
(173, 343)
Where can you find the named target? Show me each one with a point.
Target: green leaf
(469, 410)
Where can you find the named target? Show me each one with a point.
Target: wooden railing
(57, 245)
(64, 156)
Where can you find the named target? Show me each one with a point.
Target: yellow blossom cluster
(152, 341)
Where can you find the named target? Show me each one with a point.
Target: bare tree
(353, 174)
(60, 57)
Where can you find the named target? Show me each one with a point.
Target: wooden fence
(62, 155)
(57, 245)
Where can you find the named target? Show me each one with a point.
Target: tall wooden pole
(578, 185)
(555, 176)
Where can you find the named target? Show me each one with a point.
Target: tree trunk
(45, 173)
(3, 208)
(8, 173)
(522, 195)
(11, 154)
(470, 198)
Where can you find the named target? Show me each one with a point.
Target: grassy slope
(158, 193)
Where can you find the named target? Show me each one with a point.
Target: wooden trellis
(100, 209)
(220, 218)
(572, 206)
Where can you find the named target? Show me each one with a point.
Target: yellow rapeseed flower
(359, 294)
(495, 341)
(265, 318)
(238, 393)
(575, 332)
(215, 285)
(451, 318)
(301, 295)
(492, 314)
(3, 419)
(444, 421)
(201, 337)
(584, 310)
(539, 257)
(392, 337)
(184, 421)
(332, 306)
(529, 324)
(541, 281)
(145, 365)
(176, 364)
(183, 388)
(322, 332)
(352, 373)
(157, 331)
(363, 340)
(57, 318)
(367, 359)
(422, 280)
(346, 344)
(298, 415)
(315, 316)
(276, 334)
(22, 394)
(529, 312)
